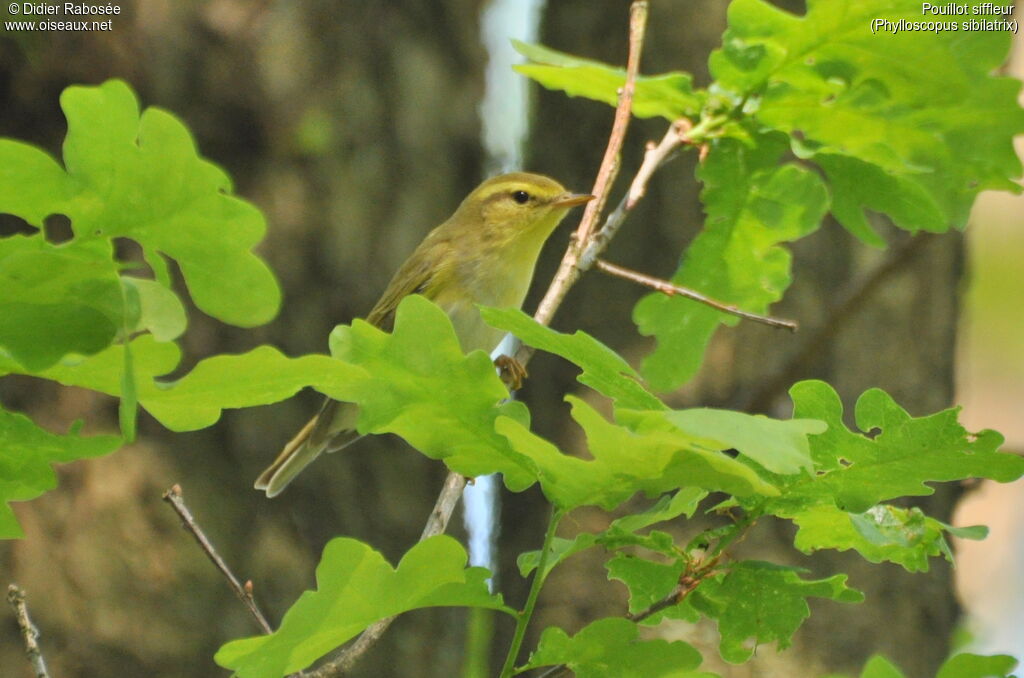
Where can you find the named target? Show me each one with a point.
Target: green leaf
(443, 402)
(762, 602)
(880, 667)
(669, 507)
(139, 177)
(626, 462)
(604, 370)
(611, 648)
(752, 600)
(261, 376)
(160, 310)
(856, 471)
(753, 204)
(258, 377)
(56, 299)
(882, 533)
(838, 506)
(977, 666)
(561, 549)
(621, 532)
(670, 95)
(356, 587)
(858, 186)
(103, 371)
(958, 666)
(30, 182)
(27, 454)
(780, 446)
(417, 383)
(942, 136)
(650, 583)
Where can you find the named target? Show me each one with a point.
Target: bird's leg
(511, 371)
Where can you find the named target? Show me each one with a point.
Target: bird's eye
(521, 197)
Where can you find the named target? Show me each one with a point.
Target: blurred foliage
(141, 179)
(958, 666)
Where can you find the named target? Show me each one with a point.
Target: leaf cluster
(74, 311)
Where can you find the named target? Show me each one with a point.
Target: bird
(485, 253)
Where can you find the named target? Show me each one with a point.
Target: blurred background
(356, 127)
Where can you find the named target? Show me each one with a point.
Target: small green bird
(484, 254)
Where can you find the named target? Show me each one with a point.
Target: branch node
(575, 259)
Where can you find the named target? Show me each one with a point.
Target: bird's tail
(331, 429)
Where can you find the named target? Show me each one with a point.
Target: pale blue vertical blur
(504, 114)
(504, 111)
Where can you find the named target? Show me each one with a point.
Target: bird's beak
(572, 199)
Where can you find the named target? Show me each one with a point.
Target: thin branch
(655, 156)
(566, 276)
(687, 583)
(568, 270)
(851, 300)
(244, 593)
(668, 289)
(677, 596)
(437, 523)
(16, 597)
(568, 273)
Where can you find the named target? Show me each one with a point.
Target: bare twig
(687, 583)
(686, 586)
(568, 270)
(16, 597)
(655, 156)
(244, 593)
(436, 524)
(580, 261)
(667, 288)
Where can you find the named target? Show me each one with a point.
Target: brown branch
(668, 289)
(568, 270)
(436, 524)
(244, 593)
(851, 300)
(687, 583)
(655, 156)
(29, 632)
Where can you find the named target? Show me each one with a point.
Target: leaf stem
(705, 129)
(540, 574)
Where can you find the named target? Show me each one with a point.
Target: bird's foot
(511, 371)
